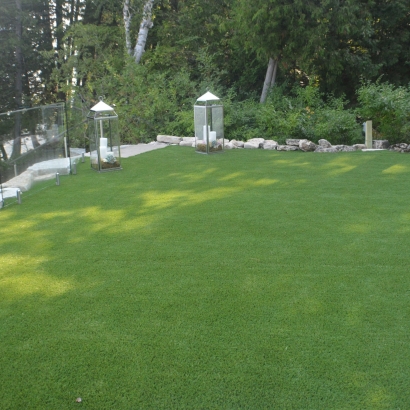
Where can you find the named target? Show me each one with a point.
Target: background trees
(80, 49)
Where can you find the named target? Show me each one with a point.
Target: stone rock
(169, 139)
(401, 147)
(292, 142)
(347, 148)
(380, 144)
(230, 145)
(323, 149)
(270, 144)
(287, 148)
(306, 145)
(238, 144)
(359, 147)
(325, 143)
(343, 148)
(258, 142)
(251, 144)
(187, 143)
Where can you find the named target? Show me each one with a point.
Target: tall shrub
(389, 109)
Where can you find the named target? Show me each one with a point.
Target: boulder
(402, 147)
(287, 148)
(380, 144)
(254, 142)
(306, 145)
(292, 142)
(359, 147)
(323, 149)
(187, 142)
(169, 139)
(270, 144)
(347, 148)
(238, 144)
(230, 145)
(324, 143)
(251, 144)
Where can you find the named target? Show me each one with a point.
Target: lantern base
(203, 149)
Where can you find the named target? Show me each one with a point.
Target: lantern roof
(101, 106)
(208, 97)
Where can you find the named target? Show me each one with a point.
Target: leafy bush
(389, 109)
(305, 115)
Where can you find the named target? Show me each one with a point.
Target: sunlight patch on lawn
(234, 175)
(14, 285)
(103, 219)
(158, 200)
(396, 169)
(340, 166)
(378, 398)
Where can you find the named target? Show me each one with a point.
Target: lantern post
(103, 134)
(209, 127)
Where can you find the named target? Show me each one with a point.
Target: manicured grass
(249, 279)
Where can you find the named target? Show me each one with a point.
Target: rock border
(291, 145)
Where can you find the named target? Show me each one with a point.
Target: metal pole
(15, 170)
(57, 178)
(74, 168)
(82, 157)
(206, 128)
(18, 195)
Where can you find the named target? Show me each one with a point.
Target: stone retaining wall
(291, 144)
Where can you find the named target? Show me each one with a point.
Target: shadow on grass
(247, 279)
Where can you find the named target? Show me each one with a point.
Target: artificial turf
(249, 279)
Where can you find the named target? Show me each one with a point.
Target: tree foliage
(78, 50)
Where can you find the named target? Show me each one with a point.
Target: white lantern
(103, 134)
(209, 127)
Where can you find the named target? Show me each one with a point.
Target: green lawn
(250, 279)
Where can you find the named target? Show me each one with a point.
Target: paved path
(131, 150)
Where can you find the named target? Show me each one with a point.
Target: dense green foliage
(389, 109)
(251, 279)
(75, 50)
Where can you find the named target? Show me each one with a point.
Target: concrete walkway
(47, 169)
(131, 150)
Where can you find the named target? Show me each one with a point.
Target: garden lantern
(104, 138)
(209, 124)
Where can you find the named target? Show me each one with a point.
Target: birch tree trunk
(127, 22)
(270, 78)
(146, 24)
(18, 89)
(275, 70)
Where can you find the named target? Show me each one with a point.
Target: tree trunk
(275, 70)
(146, 24)
(18, 90)
(3, 152)
(270, 78)
(127, 22)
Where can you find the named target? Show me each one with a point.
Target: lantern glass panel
(208, 122)
(104, 140)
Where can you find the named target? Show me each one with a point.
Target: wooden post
(368, 135)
